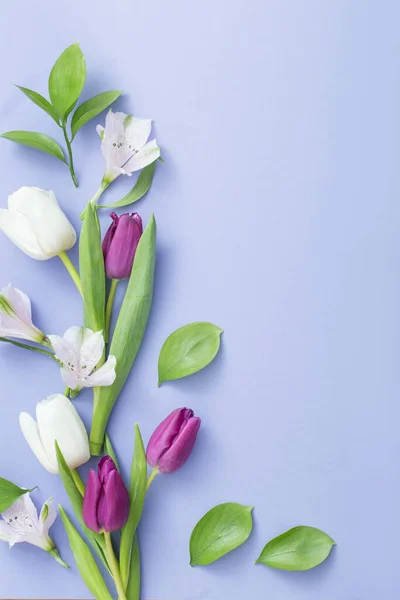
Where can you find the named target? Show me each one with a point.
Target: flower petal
(91, 352)
(30, 431)
(64, 351)
(18, 229)
(20, 302)
(104, 376)
(91, 501)
(17, 322)
(7, 534)
(51, 516)
(114, 511)
(77, 336)
(137, 131)
(148, 154)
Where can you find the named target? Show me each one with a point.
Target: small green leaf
(139, 190)
(91, 108)
(40, 101)
(66, 80)
(91, 265)
(221, 530)
(133, 588)
(137, 493)
(84, 559)
(188, 350)
(9, 493)
(298, 549)
(109, 450)
(40, 141)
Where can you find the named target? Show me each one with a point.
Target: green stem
(27, 347)
(56, 555)
(67, 391)
(114, 567)
(78, 481)
(71, 160)
(103, 186)
(109, 307)
(152, 477)
(71, 270)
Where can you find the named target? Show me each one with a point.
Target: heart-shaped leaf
(188, 350)
(66, 80)
(40, 141)
(298, 549)
(9, 493)
(221, 530)
(91, 108)
(40, 101)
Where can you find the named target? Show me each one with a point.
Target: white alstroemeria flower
(79, 352)
(57, 421)
(16, 316)
(36, 224)
(21, 523)
(124, 145)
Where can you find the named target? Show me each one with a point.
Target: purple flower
(173, 440)
(106, 501)
(120, 243)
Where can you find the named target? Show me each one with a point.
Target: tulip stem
(109, 307)
(78, 481)
(71, 160)
(114, 566)
(71, 270)
(152, 477)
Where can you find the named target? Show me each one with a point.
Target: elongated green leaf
(137, 493)
(84, 559)
(221, 530)
(133, 588)
(9, 493)
(188, 350)
(108, 449)
(66, 80)
(91, 108)
(139, 190)
(76, 500)
(39, 141)
(129, 330)
(91, 265)
(40, 101)
(298, 549)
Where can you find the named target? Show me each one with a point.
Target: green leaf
(40, 101)
(91, 265)
(84, 559)
(66, 80)
(298, 549)
(9, 493)
(133, 588)
(139, 190)
(137, 493)
(129, 330)
(221, 530)
(91, 108)
(109, 450)
(188, 350)
(40, 141)
(75, 497)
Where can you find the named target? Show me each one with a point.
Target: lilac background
(278, 214)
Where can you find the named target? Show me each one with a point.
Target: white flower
(79, 352)
(16, 316)
(36, 224)
(57, 420)
(124, 144)
(21, 523)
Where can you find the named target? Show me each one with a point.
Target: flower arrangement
(89, 355)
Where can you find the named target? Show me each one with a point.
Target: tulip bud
(173, 440)
(120, 243)
(106, 500)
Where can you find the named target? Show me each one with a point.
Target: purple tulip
(173, 440)
(106, 500)
(120, 243)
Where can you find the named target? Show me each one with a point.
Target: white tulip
(57, 420)
(16, 316)
(124, 144)
(36, 224)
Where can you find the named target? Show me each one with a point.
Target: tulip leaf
(76, 500)
(84, 559)
(221, 530)
(39, 141)
(40, 101)
(66, 80)
(133, 587)
(109, 450)
(298, 549)
(9, 493)
(129, 330)
(91, 108)
(137, 494)
(91, 265)
(188, 350)
(139, 190)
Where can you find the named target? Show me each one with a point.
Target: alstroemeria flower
(124, 144)
(79, 351)
(16, 316)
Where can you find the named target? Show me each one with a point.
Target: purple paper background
(278, 215)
